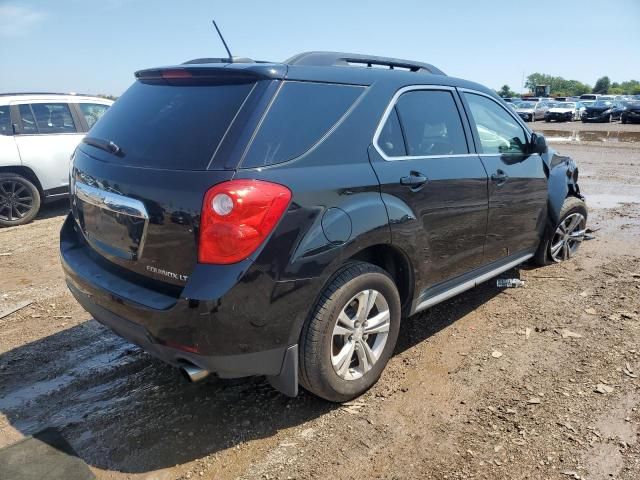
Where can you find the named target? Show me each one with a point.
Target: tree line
(570, 88)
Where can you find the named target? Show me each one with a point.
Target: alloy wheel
(360, 334)
(16, 200)
(567, 237)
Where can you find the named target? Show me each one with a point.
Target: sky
(95, 46)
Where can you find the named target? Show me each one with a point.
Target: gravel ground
(540, 382)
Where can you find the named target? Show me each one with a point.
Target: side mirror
(538, 144)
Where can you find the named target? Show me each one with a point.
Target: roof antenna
(223, 42)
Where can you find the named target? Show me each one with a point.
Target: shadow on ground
(53, 209)
(124, 411)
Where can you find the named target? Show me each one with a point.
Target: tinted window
(170, 126)
(5, 120)
(390, 140)
(300, 116)
(27, 122)
(431, 123)
(92, 112)
(499, 132)
(53, 118)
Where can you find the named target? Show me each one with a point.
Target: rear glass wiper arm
(106, 145)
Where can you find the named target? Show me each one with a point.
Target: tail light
(237, 216)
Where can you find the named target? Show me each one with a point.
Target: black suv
(279, 219)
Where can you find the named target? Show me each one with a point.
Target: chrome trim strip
(387, 112)
(429, 302)
(115, 203)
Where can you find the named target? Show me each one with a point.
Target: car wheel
(561, 242)
(19, 200)
(351, 334)
(623, 120)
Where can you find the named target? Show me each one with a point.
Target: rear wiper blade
(106, 145)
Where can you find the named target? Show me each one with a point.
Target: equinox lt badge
(159, 271)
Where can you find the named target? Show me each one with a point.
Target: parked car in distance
(562, 112)
(531, 111)
(38, 133)
(285, 223)
(602, 111)
(631, 114)
(589, 96)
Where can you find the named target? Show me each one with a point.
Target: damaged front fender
(562, 173)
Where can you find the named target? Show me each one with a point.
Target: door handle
(415, 180)
(499, 177)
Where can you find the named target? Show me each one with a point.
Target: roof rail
(356, 59)
(11, 94)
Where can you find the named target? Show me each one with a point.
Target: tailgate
(144, 220)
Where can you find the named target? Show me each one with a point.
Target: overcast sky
(94, 46)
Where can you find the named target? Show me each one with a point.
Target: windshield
(526, 105)
(565, 105)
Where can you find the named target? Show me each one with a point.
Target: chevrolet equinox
(279, 219)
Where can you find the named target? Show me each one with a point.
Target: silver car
(532, 111)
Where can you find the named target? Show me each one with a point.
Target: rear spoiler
(214, 72)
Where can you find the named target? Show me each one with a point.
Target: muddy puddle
(613, 136)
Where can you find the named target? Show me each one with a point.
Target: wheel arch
(396, 263)
(25, 172)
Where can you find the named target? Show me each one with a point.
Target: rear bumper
(199, 326)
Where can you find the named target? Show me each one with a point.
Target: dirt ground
(540, 382)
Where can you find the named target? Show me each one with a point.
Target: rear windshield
(169, 126)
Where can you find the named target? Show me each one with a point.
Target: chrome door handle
(415, 180)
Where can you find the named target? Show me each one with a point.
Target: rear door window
(92, 112)
(391, 140)
(431, 123)
(53, 118)
(302, 113)
(165, 126)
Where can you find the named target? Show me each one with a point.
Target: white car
(563, 112)
(38, 134)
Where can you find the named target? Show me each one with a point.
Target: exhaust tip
(194, 374)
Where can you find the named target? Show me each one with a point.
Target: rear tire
(623, 120)
(329, 367)
(572, 207)
(19, 200)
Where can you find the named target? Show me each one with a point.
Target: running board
(452, 292)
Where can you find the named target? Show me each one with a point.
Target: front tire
(19, 200)
(351, 334)
(561, 242)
